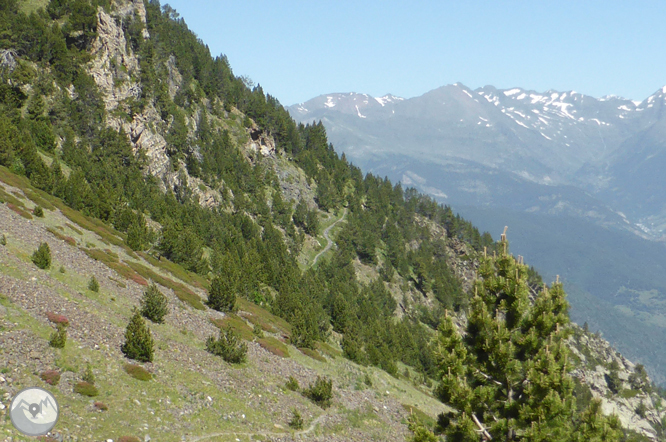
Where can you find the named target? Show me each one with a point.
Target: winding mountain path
(330, 241)
(307, 431)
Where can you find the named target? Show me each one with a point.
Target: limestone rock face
(112, 66)
(599, 363)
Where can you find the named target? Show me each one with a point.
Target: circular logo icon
(34, 411)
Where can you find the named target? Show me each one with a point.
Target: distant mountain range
(580, 181)
(552, 152)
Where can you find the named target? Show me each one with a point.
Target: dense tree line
(254, 245)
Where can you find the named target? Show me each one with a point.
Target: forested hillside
(120, 112)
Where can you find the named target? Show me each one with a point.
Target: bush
(38, 212)
(51, 377)
(86, 389)
(154, 305)
(88, 375)
(42, 256)
(296, 421)
(62, 269)
(222, 295)
(100, 406)
(57, 319)
(320, 392)
(59, 336)
(641, 409)
(138, 372)
(138, 340)
(129, 439)
(229, 346)
(93, 284)
(613, 381)
(3, 240)
(292, 384)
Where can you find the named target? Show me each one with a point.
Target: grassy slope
(176, 403)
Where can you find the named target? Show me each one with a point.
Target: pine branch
(482, 429)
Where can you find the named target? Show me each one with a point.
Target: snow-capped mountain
(486, 146)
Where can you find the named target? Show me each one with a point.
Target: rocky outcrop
(113, 66)
(622, 386)
(8, 59)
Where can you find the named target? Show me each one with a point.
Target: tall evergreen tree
(508, 374)
(222, 294)
(138, 340)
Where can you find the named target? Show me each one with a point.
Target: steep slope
(150, 160)
(540, 162)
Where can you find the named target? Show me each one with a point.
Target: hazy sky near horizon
(297, 50)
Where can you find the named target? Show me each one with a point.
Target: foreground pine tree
(508, 374)
(138, 340)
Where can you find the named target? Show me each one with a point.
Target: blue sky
(300, 49)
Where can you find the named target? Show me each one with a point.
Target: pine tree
(138, 340)
(229, 346)
(59, 337)
(93, 284)
(154, 305)
(222, 293)
(42, 256)
(508, 376)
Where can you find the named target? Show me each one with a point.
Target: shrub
(296, 421)
(86, 389)
(292, 384)
(229, 346)
(42, 256)
(258, 331)
(100, 406)
(38, 212)
(93, 284)
(59, 336)
(88, 375)
(62, 269)
(613, 381)
(641, 409)
(367, 380)
(137, 372)
(3, 240)
(57, 319)
(138, 340)
(129, 439)
(320, 392)
(51, 377)
(222, 295)
(154, 305)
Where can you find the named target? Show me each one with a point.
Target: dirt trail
(330, 241)
(305, 432)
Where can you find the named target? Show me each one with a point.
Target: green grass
(274, 346)
(237, 324)
(176, 270)
(111, 261)
(68, 239)
(29, 6)
(25, 214)
(314, 354)
(182, 292)
(261, 316)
